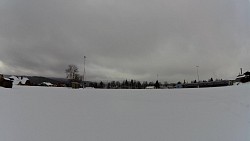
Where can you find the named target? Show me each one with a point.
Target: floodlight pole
(197, 67)
(84, 72)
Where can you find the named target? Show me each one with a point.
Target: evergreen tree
(118, 84)
(109, 86)
(144, 84)
(211, 80)
(101, 85)
(157, 85)
(139, 86)
(126, 84)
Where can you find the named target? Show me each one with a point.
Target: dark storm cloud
(133, 39)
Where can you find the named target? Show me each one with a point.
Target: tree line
(73, 75)
(125, 84)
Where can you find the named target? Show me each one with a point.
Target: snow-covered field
(62, 114)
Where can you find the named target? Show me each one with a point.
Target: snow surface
(63, 114)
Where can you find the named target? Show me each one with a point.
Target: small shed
(178, 86)
(75, 85)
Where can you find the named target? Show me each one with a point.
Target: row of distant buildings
(8, 82)
(241, 78)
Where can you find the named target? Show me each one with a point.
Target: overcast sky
(126, 39)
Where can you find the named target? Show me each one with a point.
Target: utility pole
(84, 72)
(197, 67)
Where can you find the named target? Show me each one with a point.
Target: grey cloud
(126, 39)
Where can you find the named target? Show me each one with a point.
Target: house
(243, 77)
(171, 86)
(75, 85)
(178, 86)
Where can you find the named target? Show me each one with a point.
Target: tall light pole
(197, 67)
(84, 72)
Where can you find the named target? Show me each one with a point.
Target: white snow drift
(62, 114)
(18, 80)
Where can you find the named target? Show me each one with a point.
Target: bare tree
(72, 72)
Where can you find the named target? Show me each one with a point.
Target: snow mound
(47, 84)
(18, 80)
